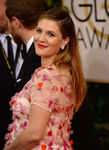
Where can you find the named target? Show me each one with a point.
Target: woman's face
(48, 38)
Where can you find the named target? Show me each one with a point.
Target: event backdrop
(91, 18)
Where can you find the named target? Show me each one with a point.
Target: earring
(62, 48)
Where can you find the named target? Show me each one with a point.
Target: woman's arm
(38, 119)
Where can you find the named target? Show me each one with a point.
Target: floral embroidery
(43, 147)
(29, 100)
(54, 97)
(55, 87)
(71, 142)
(59, 108)
(42, 67)
(49, 68)
(40, 84)
(22, 112)
(70, 95)
(50, 133)
(50, 103)
(12, 102)
(61, 89)
(45, 77)
(67, 109)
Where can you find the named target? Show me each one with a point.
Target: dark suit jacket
(7, 89)
(31, 62)
(8, 86)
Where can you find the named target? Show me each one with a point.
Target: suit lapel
(4, 62)
(31, 62)
(30, 52)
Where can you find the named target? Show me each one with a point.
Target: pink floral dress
(50, 89)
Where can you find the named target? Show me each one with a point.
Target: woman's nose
(42, 37)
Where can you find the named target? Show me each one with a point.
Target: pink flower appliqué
(50, 104)
(24, 124)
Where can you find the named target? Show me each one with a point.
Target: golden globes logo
(96, 14)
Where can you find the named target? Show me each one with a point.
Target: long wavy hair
(70, 56)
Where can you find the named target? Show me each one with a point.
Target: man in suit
(22, 26)
(7, 78)
(23, 16)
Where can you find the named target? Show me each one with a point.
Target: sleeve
(43, 93)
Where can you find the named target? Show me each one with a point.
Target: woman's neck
(47, 62)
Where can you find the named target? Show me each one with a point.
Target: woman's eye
(38, 30)
(51, 34)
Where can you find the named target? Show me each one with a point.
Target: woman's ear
(65, 41)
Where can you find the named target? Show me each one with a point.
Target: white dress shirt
(4, 44)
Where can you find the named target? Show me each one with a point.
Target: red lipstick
(41, 46)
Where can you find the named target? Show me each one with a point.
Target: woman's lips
(41, 46)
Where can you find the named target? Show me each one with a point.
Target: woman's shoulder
(51, 72)
(43, 70)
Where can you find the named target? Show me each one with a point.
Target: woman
(43, 109)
